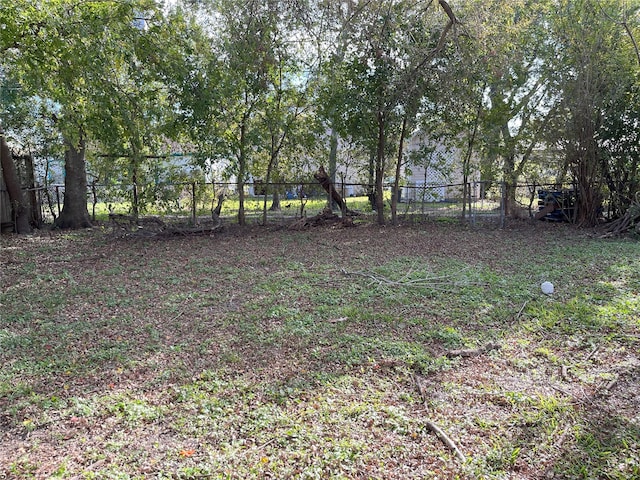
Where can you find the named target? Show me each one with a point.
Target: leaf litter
(168, 357)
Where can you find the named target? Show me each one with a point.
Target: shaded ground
(256, 353)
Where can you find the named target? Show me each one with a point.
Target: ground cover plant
(325, 353)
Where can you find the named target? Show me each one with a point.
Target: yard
(326, 353)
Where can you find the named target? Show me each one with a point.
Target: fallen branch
(473, 352)
(323, 179)
(325, 217)
(573, 397)
(592, 353)
(444, 438)
(442, 282)
(188, 231)
(129, 226)
(626, 222)
(619, 374)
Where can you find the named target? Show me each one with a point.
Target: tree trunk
(12, 181)
(74, 214)
(396, 181)
(333, 163)
(35, 213)
(275, 202)
(242, 170)
(371, 189)
(135, 199)
(466, 162)
(380, 169)
(510, 176)
(334, 197)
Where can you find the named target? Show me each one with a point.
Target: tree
(14, 188)
(597, 75)
(283, 113)
(220, 97)
(512, 103)
(133, 101)
(391, 47)
(74, 54)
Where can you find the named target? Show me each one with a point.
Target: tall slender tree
(392, 47)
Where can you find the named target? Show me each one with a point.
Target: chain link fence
(282, 202)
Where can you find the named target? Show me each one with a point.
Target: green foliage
(262, 88)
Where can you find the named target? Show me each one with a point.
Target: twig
(610, 385)
(571, 395)
(337, 320)
(592, 353)
(444, 438)
(441, 282)
(521, 309)
(184, 309)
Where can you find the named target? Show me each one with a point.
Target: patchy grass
(275, 354)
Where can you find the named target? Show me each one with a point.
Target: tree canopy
(516, 87)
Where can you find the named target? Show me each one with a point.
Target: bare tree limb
(444, 438)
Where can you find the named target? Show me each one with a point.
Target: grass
(291, 208)
(275, 354)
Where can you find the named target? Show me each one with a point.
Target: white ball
(547, 288)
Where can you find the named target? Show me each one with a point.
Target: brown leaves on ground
(248, 354)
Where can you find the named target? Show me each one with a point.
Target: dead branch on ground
(444, 282)
(326, 217)
(444, 438)
(473, 352)
(630, 220)
(128, 226)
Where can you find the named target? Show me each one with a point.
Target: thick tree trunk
(74, 214)
(12, 181)
(275, 202)
(334, 197)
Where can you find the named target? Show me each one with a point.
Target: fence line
(485, 201)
